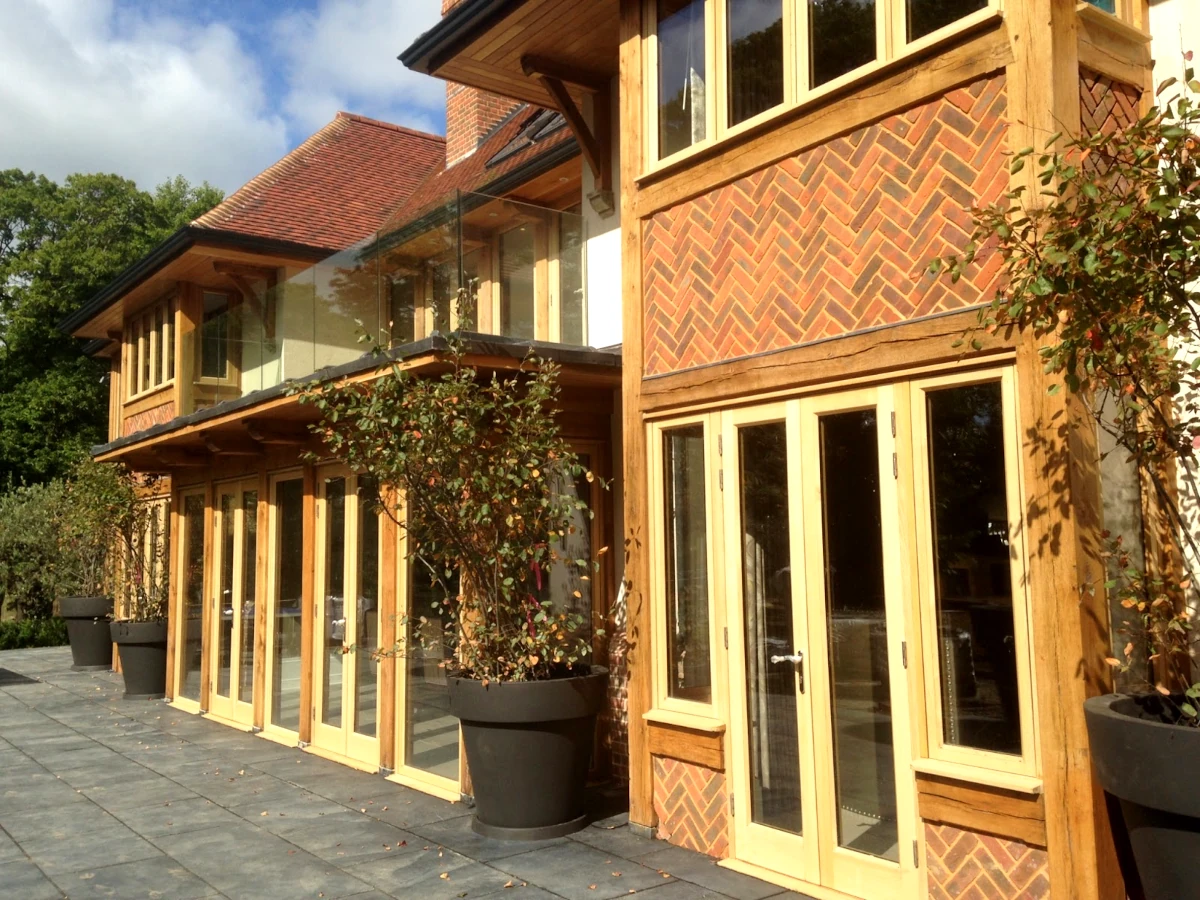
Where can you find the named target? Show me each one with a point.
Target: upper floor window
(216, 336)
(150, 349)
(719, 65)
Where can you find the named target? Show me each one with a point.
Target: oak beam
(540, 67)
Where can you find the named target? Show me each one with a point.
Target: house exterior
(858, 631)
(364, 235)
(849, 631)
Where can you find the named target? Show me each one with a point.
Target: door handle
(797, 660)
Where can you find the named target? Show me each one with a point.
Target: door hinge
(731, 808)
(904, 653)
(916, 854)
(895, 466)
(893, 423)
(726, 638)
(721, 478)
(720, 445)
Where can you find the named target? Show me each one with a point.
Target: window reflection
(755, 57)
(285, 645)
(193, 596)
(927, 16)
(976, 630)
(681, 75)
(841, 37)
(517, 262)
(686, 527)
(366, 621)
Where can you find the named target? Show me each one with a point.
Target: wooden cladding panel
(978, 808)
(832, 241)
(697, 747)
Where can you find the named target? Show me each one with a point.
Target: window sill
(1111, 22)
(685, 720)
(1021, 784)
(152, 394)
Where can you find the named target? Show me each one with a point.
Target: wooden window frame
(949, 758)
(147, 345)
(892, 47)
(233, 369)
(702, 716)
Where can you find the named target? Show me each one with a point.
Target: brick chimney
(470, 112)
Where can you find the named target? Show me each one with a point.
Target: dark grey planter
(143, 649)
(529, 745)
(87, 631)
(1153, 770)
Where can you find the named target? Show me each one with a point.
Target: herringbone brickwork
(690, 803)
(1106, 105)
(143, 420)
(616, 714)
(831, 241)
(964, 865)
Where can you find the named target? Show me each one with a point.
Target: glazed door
(346, 633)
(819, 694)
(235, 583)
(287, 558)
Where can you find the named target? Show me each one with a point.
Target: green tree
(59, 245)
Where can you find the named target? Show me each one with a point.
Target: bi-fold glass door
(820, 742)
(346, 633)
(235, 582)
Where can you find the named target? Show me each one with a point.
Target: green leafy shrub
(1103, 267)
(32, 573)
(474, 469)
(19, 634)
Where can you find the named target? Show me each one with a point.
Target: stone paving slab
(106, 797)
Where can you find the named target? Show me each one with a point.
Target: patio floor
(103, 797)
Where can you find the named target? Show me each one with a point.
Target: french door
(235, 581)
(821, 748)
(346, 633)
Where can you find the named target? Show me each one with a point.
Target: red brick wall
(616, 715)
(1106, 105)
(966, 864)
(470, 115)
(155, 416)
(690, 803)
(834, 240)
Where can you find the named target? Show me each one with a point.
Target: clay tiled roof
(528, 133)
(335, 188)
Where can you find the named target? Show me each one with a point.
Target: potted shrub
(86, 507)
(1103, 267)
(475, 469)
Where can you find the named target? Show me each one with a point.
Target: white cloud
(90, 86)
(343, 56)
(154, 98)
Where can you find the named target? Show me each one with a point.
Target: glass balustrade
(479, 263)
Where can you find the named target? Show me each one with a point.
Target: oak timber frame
(1040, 46)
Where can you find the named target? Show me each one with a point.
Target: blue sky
(214, 90)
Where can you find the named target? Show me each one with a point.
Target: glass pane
(1109, 6)
(432, 733)
(468, 312)
(976, 632)
(445, 287)
(563, 581)
(334, 617)
(841, 37)
(517, 301)
(570, 276)
(285, 649)
(681, 75)
(247, 600)
(225, 596)
(860, 683)
(157, 374)
(148, 379)
(366, 622)
(170, 332)
(686, 530)
(214, 337)
(755, 55)
(771, 687)
(927, 16)
(193, 596)
(403, 310)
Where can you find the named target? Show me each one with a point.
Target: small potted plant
(1103, 268)
(85, 548)
(475, 469)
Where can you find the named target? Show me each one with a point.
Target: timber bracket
(595, 139)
